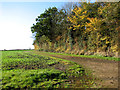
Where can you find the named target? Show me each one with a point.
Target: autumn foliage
(85, 29)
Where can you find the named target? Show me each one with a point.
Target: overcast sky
(16, 18)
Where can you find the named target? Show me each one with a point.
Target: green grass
(31, 78)
(28, 70)
(86, 56)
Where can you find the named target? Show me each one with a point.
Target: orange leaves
(58, 38)
(118, 28)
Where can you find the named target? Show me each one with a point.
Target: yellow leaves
(84, 12)
(93, 20)
(89, 19)
(114, 48)
(93, 25)
(76, 27)
(68, 49)
(58, 49)
(100, 10)
(105, 9)
(76, 13)
(77, 10)
(70, 28)
(89, 27)
(72, 19)
(104, 38)
(107, 42)
(82, 17)
(78, 19)
(68, 17)
(88, 24)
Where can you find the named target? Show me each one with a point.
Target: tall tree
(46, 23)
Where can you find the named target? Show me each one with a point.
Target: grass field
(86, 56)
(22, 69)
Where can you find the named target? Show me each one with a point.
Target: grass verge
(86, 56)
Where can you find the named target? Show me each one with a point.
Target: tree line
(79, 28)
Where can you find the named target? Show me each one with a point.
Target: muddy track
(105, 70)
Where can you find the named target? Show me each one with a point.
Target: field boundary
(85, 56)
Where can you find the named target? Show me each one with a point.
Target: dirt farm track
(105, 70)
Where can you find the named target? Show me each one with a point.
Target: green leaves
(45, 23)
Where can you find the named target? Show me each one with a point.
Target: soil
(105, 70)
